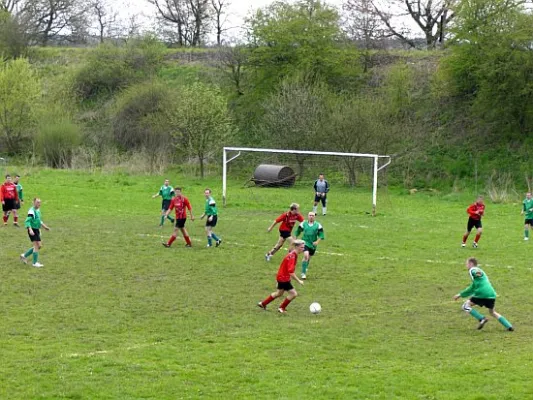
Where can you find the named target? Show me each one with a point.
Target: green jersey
(33, 220)
(528, 208)
(166, 192)
(311, 232)
(19, 190)
(210, 206)
(480, 287)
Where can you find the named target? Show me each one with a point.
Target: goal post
(227, 157)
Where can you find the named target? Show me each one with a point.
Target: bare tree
(105, 19)
(431, 16)
(220, 17)
(188, 17)
(13, 7)
(231, 60)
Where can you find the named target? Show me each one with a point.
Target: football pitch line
(235, 243)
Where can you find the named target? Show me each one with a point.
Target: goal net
(257, 170)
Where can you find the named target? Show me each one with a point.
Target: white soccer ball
(315, 308)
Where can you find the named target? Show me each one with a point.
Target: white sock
(324, 210)
(314, 209)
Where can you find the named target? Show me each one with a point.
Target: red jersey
(287, 267)
(8, 191)
(288, 220)
(181, 204)
(476, 211)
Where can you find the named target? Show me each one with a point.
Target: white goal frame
(375, 157)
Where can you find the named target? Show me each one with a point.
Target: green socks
(28, 253)
(504, 322)
(35, 257)
(162, 220)
(476, 314)
(526, 233)
(305, 265)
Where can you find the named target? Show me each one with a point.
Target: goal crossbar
(376, 167)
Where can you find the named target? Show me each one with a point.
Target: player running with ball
(285, 273)
(482, 294)
(287, 219)
(313, 233)
(181, 204)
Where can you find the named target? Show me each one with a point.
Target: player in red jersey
(10, 198)
(285, 273)
(475, 212)
(181, 204)
(287, 219)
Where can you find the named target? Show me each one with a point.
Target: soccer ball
(315, 308)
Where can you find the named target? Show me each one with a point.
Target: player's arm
(276, 221)
(327, 186)
(160, 193)
(320, 236)
(21, 196)
(189, 207)
(299, 230)
(293, 276)
(45, 226)
(2, 194)
(27, 224)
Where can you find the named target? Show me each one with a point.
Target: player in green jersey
(313, 233)
(167, 193)
(527, 210)
(33, 224)
(212, 217)
(481, 294)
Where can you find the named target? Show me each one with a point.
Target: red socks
(171, 240)
(464, 238)
(188, 240)
(5, 218)
(267, 301)
(285, 304)
(476, 239)
(15, 219)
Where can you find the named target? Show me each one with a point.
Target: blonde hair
(297, 242)
(294, 206)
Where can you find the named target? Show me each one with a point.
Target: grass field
(115, 315)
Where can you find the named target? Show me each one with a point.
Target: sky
(237, 12)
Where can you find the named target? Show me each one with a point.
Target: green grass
(114, 315)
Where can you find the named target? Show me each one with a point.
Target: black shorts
(165, 204)
(489, 303)
(473, 223)
(310, 250)
(17, 205)
(36, 237)
(528, 222)
(321, 199)
(213, 221)
(9, 204)
(285, 234)
(180, 222)
(285, 285)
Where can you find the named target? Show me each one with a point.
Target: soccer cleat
(23, 259)
(526, 238)
(510, 329)
(165, 245)
(304, 277)
(188, 245)
(37, 265)
(282, 310)
(482, 323)
(268, 257)
(15, 224)
(463, 244)
(218, 242)
(260, 305)
(209, 245)
(474, 245)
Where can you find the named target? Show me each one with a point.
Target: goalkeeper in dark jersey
(482, 294)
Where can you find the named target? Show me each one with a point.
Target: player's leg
(479, 231)
(173, 237)
(36, 247)
(315, 203)
(216, 238)
(270, 298)
(274, 250)
(186, 236)
(501, 319)
(305, 263)
(469, 227)
(290, 297)
(468, 308)
(527, 226)
(208, 233)
(324, 204)
(15, 217)
(29, 252)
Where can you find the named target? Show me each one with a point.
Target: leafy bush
(57, 141)
(110, 68)
(13, 38)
